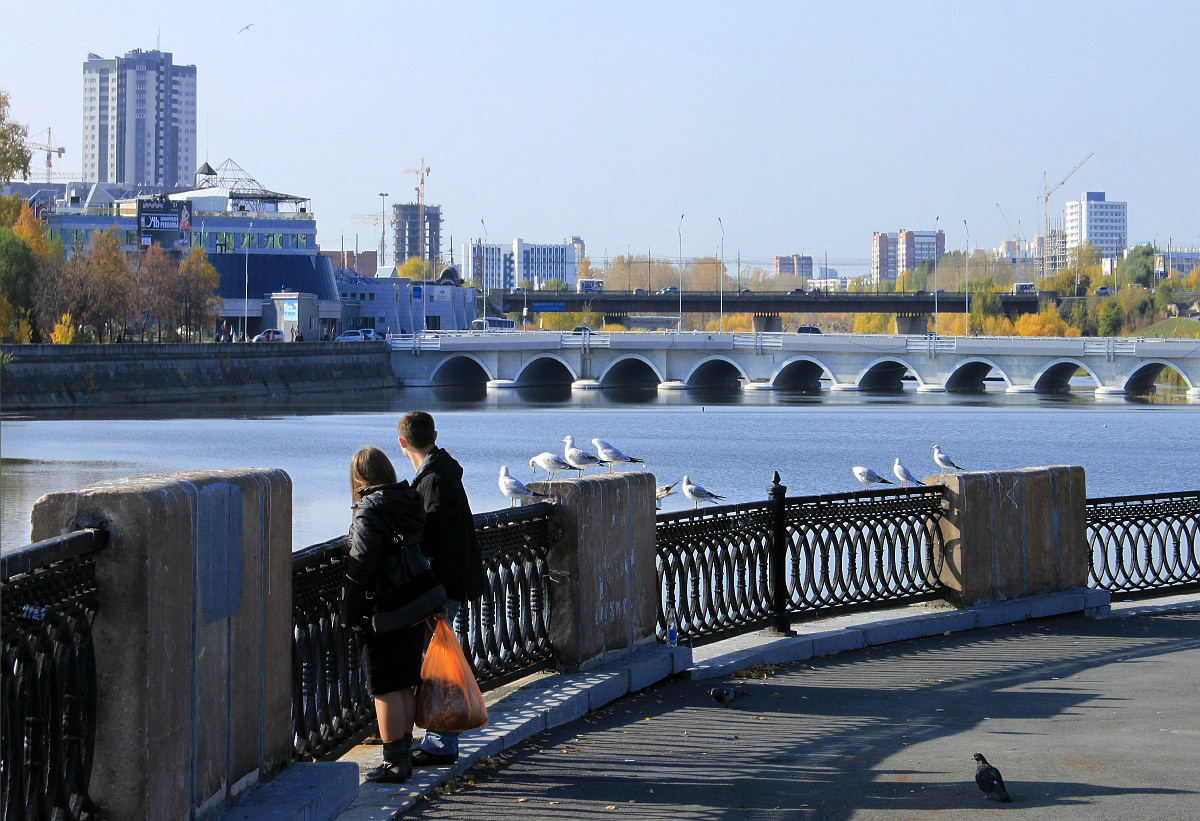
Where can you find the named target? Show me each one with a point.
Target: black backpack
(406, 590)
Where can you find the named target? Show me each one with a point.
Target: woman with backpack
(388, 593)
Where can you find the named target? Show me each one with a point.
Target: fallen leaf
(522, 800)
(611, 807)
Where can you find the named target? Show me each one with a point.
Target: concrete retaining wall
(55, 376)
(193, 635)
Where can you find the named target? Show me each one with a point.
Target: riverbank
(63, 376)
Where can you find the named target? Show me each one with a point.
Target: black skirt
(392, 660)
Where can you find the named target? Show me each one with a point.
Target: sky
(802, 127)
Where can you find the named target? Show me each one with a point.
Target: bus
(1024, 288)
(493, 323)
(589, 286)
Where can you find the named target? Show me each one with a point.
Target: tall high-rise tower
(139, 120)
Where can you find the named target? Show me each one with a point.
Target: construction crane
(377, 221)
(1015, 232)
(50, 148)
(420, 172)
(1046, 192)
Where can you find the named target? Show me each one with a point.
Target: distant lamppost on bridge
(966, 274)
(383, 195)
(246, 295)
(483, 268)
(935, 281)
(681, 216)
(721, 275)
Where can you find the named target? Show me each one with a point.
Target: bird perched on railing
(698, 494)
(904, 474)
(579, 459)
(943, 461)
(548, 462)
(613, 456)
(989, 780)
(515, 489)
(663, 491)
(868, 477)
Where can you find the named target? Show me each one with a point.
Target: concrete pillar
(768, 323)
(193, 635)
(1014, 533)
(912, 325)
(604, 598)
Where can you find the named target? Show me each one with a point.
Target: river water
(727, 441)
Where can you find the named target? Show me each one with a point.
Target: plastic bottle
(672, 628)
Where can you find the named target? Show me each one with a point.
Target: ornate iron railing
(718, 567)
(1142, 544)
(505, 633)
(48, 695)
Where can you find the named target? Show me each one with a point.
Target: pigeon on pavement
(989, 780)
(725, 696)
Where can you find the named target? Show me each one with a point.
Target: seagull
(244, 28)
(868, 477)
(663, 491)
(612, 455)
(989, 780)
(548, 462)
(904, 474)
(698, 494)
(515, 489)
(578, 459)
(943, 461)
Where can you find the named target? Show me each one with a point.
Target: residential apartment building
(915, 247)
(883, 257)
(1094, 220)
(540, 263)
(407, 230)
(794, 265)
(139, 120)
(490, 265)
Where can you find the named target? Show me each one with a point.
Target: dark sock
(396, 752)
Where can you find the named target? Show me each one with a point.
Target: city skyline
(653, 114)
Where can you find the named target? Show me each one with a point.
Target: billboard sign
(548, 306)
(290, 311)
(166, 223)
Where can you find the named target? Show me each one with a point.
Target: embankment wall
(64, 376)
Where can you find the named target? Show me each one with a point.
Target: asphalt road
(1086, 719)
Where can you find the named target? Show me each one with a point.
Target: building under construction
(409, 238)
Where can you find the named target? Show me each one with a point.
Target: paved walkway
(1086, 719)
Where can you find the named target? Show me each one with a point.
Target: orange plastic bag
(448, 700)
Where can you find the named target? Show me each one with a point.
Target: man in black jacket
(449, 542)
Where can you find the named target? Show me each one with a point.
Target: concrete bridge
(766, 361)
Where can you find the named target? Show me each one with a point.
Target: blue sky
(803, 126)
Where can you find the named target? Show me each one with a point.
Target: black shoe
(387, 773)
(424, 758)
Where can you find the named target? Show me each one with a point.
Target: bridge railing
(505, 633)
(1145, 544)
(735, 568)
(48, 727)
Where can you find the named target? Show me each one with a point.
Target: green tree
(1138, 266)
(1108, 318)
(18, 267)
(14, 156)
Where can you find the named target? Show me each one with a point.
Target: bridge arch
(970, 373)
(1057, 375)
(801, 373)
(546, 369)
(715, 371)
(1141, 378)
(627, 369)
(885, 373)
(461, 369)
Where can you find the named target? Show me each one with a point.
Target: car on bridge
(269, 335)
(1103, 290)
(639, 291)
(807, 329)
(670, 289)
(355, 336)
(745, 292)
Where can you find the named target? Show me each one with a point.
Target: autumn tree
(199, 306)
(14, 156)
(18, 267)
(154, 294)
(107, 285)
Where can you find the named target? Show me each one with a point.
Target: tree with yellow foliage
(1046, 323)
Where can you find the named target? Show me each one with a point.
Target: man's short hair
(417, 429)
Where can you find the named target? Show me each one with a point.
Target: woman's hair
(370, 467)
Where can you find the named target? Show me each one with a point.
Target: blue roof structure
(269, 273)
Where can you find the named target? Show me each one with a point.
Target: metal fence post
(776, 494)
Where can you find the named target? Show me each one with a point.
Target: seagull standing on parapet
(663, 491)
(868, 477)
(904, 474)
(613, 456)
(989, 780)
(514, 488)
(578, 459)
(698, 494)
(943, 461)
(244, 28)
(548, 462)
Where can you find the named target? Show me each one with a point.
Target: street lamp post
(721, 274)
(246, 295)
(483, 268)
(966, 275)
(383, 195)
(935, 281)
(680, 327)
